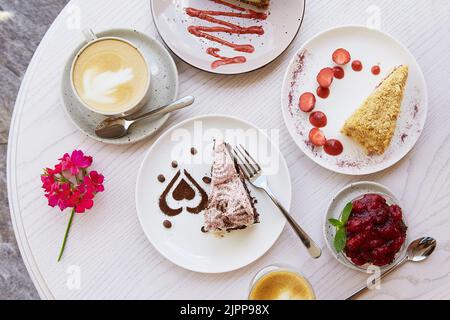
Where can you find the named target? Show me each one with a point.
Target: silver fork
(254, 174)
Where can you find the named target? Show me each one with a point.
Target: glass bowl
(351, 193)
(278, 268)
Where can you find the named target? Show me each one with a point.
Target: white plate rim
(293, 134)
(302, 19)
(141, 168)
(380, 186)
(117, 141)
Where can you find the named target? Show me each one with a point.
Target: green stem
(66, 235)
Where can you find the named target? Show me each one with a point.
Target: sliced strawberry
(357, 65)
(317, 137)
(333, 147)
(318, 119)
(307, 102)
(341, 57)
(323, 92)
(339, 72)
(325, 77)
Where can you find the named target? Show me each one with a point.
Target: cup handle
(89, 35)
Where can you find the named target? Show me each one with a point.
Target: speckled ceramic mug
(117, 81)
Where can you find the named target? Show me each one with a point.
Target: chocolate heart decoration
(183, 191)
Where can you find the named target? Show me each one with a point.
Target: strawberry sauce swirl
(223, 26)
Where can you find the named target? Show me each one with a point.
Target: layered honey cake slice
(373, 124)
(230, 205)
(263, 4)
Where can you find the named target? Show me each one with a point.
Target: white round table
(107, 247)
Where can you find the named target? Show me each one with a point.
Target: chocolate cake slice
(230, 205)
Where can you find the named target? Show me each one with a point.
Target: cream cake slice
(257, 3)
(373, 124)
(230, 205)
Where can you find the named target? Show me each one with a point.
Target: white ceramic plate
(372, 47)
(164, 88)
(281, 27)
(338, 203)
(184, 244)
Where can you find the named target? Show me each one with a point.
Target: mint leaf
(346, 213)
(340, 239)
(335, 223)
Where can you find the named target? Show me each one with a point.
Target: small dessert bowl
(351, 194)
(278, 272)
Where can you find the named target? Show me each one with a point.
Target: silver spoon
(418, 251)
(114, 128)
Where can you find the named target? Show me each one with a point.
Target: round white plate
(184, 244)
(372, 47)
(281, 27)
(164, 88)
(338, 203)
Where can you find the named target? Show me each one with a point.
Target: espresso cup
(110, 76)
(280, 283)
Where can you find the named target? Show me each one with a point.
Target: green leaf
(335, 223)
(340, 239)
(346, 213)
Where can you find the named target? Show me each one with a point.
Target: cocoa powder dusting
(299, 66)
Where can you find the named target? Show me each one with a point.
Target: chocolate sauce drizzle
(207, 180)
(167, 224)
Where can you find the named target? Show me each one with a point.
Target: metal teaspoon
(418, 251)
(114, 128)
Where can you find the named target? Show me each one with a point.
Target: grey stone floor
(20, 34)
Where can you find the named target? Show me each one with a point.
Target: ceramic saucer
(164, 88)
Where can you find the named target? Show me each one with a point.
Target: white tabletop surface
(108, 246)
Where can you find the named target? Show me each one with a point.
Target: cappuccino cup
(280, 283)
(110, 76)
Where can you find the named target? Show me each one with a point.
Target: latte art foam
(100, 87)
(110, 76)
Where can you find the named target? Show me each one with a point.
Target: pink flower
(75, 162)
(57, 170)
(82, 199)
(58, 195)
(47, 182)
(95, 180)
(71, 185)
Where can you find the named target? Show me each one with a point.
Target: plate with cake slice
(228, 36)
(194, 203)
(354, 100)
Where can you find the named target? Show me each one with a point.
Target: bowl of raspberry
(365, 226)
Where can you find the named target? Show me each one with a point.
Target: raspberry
(396, 213)
(354, 226)
(381, 215)
(388, 232)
